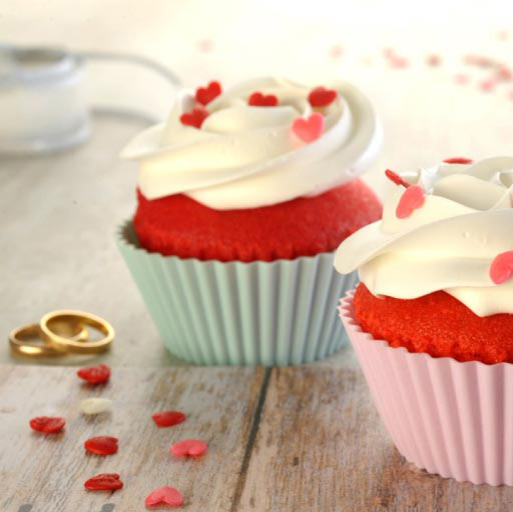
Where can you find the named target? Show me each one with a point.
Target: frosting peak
(447, 243)
(245, 156)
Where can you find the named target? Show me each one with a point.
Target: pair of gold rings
(60, 333)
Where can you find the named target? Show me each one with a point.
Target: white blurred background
(408, 56)
(428, 114)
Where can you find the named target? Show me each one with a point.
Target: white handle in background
(44, 102)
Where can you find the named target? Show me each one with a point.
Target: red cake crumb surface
(180, 226)
(437, 324)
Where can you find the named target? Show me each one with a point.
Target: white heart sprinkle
(95, 405)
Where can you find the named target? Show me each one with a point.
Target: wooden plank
(296, 439)
(46, 474)
(321, 447)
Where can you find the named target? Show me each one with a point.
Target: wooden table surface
(280, 440)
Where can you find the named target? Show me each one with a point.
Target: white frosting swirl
(447, 244)
(245, 156)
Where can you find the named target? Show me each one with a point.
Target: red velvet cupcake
(437, 324)
(432, 320)
(260, 182)
(180, 226)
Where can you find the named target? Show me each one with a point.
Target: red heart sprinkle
(195, 117)
(104, 482)
(168, 418)
(502, 267)
(394, 177)
(308, 129)
(102, 445)
(205, 95)
(257, 99)
(164, 496)
(412, 198)
(321, 97)
(458, 160)
(188, 448)
(95, 374)
(47, 425)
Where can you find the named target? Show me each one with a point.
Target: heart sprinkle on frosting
(458, 160)
(205, 95)
(308, 129)
(321, 97)
(502, 267)
(164, 496)
(257, 99)
(395, 178)
(194, 118)
(412, 198)
(188, 448)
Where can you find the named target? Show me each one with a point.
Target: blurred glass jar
(42, 100)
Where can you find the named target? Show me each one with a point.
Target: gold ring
(27, 340)
(49, 327)
(72, 330)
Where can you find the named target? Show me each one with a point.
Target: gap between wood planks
(251, 440)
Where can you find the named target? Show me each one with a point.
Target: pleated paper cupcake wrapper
(213, 313)
(450, 418)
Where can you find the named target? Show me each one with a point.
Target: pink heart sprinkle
(487, 85)
(412, 198)
(164, 496)
(188, 448)
(399, 62)
(461, 79)
(502, 267)
(308, 129)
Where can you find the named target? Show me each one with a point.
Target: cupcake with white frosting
(432, 320)
(242, 196)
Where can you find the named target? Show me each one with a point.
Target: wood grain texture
(282, 440)
(321, 447)
(48, 472)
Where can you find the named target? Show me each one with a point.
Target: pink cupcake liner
(450, 418)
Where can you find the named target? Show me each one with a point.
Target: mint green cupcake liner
(262, 313)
